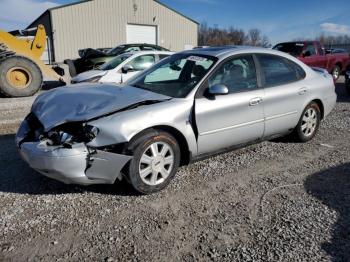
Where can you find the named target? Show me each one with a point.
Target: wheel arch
(320, 105)
(180, 138)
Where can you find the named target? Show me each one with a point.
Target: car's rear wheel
(308, 124)
(156, 158)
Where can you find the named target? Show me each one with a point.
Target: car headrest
(198, 71)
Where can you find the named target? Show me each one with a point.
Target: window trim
(200, 93)
(262, 76)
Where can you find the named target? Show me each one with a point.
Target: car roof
(219, 51)
(150, 52)
(138, 44)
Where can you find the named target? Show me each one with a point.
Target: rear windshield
(293, 49)
(116, 50)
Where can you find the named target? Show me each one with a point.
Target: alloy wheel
(309, 122)
(156, 163)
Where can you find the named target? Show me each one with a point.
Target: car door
(138, 64)
(235, 118)
(284, 90)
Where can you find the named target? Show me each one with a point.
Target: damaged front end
(62, 153)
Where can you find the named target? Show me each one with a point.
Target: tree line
(329, 40)
(215, 36)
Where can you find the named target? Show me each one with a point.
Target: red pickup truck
(313, 54)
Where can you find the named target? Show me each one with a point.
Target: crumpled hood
(83, 102)
(88, 75)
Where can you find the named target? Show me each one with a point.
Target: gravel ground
(275, 201)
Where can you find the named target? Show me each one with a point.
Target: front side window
(176, 75)
(278, 70)
(238, 74)
(142, 62)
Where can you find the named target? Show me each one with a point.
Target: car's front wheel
(308, 124)
(156, 158)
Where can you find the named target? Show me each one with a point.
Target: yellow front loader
(21, 69)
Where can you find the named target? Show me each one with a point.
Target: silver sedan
(187, 107)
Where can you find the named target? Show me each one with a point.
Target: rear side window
(278, 70)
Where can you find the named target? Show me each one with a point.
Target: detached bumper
(73, 165)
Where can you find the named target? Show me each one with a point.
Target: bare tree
(215, 36)
(328, 39)
(254, 36)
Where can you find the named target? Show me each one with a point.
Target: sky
(280, 20)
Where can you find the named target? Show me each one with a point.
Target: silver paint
(206, 124)
(86, 101)
(88, 75)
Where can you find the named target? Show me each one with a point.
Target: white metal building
(108, 23)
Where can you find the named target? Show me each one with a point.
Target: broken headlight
(72, 133)
(90, 132)
(59, 137)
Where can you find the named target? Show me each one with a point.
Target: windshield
(114, 62)
(116, 50)
(176, 75)
(293, 49)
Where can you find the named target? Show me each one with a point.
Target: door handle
(255, 101)
(302, 91)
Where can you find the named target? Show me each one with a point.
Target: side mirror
(127, 68)
(219, 89)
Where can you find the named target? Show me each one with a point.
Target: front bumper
(75, 165)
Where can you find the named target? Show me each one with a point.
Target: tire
(300, 134)
(19, 77)
(152, 180)
(71, 67)
(336, 72)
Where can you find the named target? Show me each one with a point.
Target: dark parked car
(92, 58)
(347, 81)
(335, 51)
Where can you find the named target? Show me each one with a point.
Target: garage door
(141, 34)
